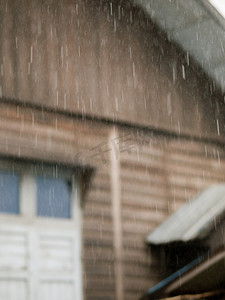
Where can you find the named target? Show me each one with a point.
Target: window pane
(9, 191)
(53, 198)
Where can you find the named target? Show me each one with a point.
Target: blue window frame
(53, 197)
(9, 192)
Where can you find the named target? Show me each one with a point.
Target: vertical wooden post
(116, 212)
(77, 216)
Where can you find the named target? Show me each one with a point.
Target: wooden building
(189, 249)
(106, 128)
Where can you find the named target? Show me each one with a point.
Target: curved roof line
(197, 27)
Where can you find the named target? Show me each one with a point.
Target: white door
(40, 246)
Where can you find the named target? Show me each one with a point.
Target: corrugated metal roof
(196, 27)
(194, 219)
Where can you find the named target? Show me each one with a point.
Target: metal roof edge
(212, 68)
(204, 219)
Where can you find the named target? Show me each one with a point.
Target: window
(40, 224)
(53, 197)
(50, 190)
(9, 191)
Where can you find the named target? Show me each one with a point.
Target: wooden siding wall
(155, 182)
(74, 59)
(157, 174)
(105, 59)
(42, 136)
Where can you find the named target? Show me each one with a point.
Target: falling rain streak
(112, 149)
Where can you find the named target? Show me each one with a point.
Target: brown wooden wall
(75, 61)
(105, 59)
(33, 134)
(156, 175)
(155, 182)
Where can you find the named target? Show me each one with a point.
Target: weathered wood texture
(105, 59)
(37, 135)
(157, 175)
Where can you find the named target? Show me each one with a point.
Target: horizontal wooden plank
(91, 225)
(101, 234)
(103, 285)
(102, 270)
(98, 252)
(136, 285)
(98, 196)
(97, 243)
(137, 271)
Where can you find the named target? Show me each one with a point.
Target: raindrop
(218, 127)
(119, 12)
(62, 55)
(174, 73)
(28, 68)
(133, 70)
(131, 17)
(187, 58)
(31, 54)
(115, 25)
(79, 50)
(57, 98)
(178, 127)
(206, 151)
(169, 105)
(32, 119)
(218, 157)
(183, 72)
(145, 103)
(111, 8)
(116, 102)
(51, 30)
